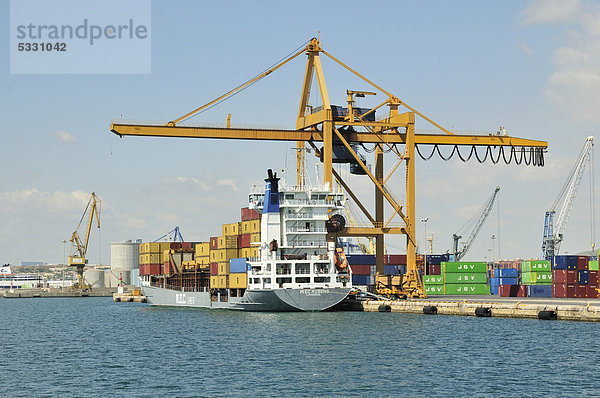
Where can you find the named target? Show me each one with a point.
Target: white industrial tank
(124, 255)
(94, 277)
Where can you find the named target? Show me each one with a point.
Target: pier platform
(507, 307)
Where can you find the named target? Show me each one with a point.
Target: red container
(166, 269)
(562, 276)
(248, 214)
(361, 269)
(512, 291)
(581, 291)
(434, 269)
(395, 259)
(143, 269)
(153, 269)
(214, 243)
(214, 269)
(594, 275)
(559, 290)
(244, 241)
(572, 291)
(175, 245)
(582, 262)
(592, 291)
(186, 245)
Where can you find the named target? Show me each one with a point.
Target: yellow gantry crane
(332, 125)
(79, 247)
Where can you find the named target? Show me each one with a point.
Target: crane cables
(529, 156)
(248, 83)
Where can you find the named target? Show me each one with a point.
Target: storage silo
(124, 257)
(94, 277)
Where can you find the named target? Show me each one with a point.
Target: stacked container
(151, 257)
(537, 276)
(503, 277)
(433, 284)
(572, 277)
(465, 278)
(363, 269)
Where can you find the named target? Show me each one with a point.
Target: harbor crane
(554, 227)
(78, 246)
(487, 208)
(173, 235)
(351, 127)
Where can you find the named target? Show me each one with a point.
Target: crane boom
(458, 254)
(554, 231)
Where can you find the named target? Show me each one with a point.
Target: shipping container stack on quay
(575, 277)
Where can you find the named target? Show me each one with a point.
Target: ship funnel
(271, 204)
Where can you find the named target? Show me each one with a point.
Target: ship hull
(253, 300)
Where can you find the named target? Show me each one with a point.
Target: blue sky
(532, 67)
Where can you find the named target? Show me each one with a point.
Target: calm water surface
(94, 347)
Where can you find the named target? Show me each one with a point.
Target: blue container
(495, 290)
(583, 277)
(494, 281)
(564, 262)
(402, 269)
(390, 269)
(539, 291)
(237, 265)
(437, 259)
(507, 273)
(361, 280)
(361, 259)
(509, 281)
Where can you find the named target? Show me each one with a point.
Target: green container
(467, 288)
(541, 278)
(464, 267)
(525, 278)
(593, 265)
(525, 266)
(433, 279)
(465, 278)
(433, 290)
(541, 265)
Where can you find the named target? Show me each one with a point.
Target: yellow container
(150, 258)
(231, 242)
(238, 281)
(255, 237)
(250, 227)
(154, 247)
(223, 255)
(219, 282)
(214, 282)
(223, 268)
(204, 260)
(221, 242)
(249, 252)
(202, 249)
(231, 229)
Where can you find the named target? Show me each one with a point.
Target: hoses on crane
(529, 156)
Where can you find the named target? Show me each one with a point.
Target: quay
(504, 307)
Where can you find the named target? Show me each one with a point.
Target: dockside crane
(554, 230)
(78, 246)
(173, 235)
(487, 208)
(352, 127)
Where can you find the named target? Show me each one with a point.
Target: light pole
(64, 258)
(493, 239)
(424, 221)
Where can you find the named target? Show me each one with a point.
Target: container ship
(282, 256)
